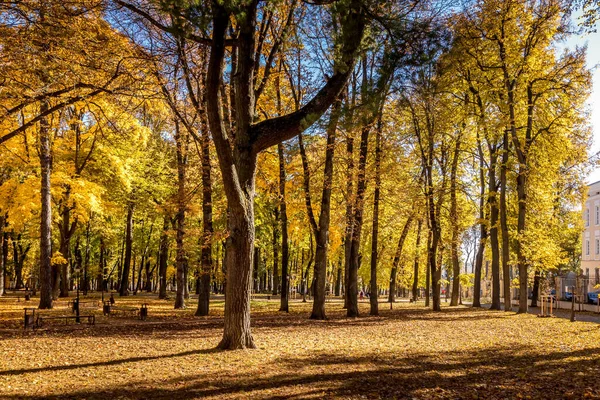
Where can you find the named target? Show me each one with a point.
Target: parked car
(593, 296)
(568, 296)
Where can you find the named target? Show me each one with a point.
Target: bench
(91, 319)
(83, 304)
(141, 312)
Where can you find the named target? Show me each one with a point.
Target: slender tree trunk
(124, 286)
(349, 212)
(46, 268)
(482, 230)
(207, 218)
(3, 251)
(535, 291)
(276, 252)
(397, 257)
(181, 142)
(373, 298)
(415, 286)
(352, 310)
(65, 244)
(454, 249)
(428, 271)
(321, 228)
(494, 243)
(284, 231)
(163, 259)
(504, 224)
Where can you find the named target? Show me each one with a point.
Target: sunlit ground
(408, 352)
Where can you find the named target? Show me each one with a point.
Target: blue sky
(593, 60)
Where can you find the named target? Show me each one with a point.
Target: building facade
(590, 256)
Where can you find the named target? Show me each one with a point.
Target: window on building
(587, 272)
(587, 247)
(587, 217)
(597, 245)
(597, 276)
(597, 215)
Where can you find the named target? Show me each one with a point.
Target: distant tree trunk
(338, 279)
(276, 252)
(45, 155)
(100, 286)
(494, 243)
(3, 251)
(163, 256)
(284, 232)
(504, 224)
(373, 298)
(415, 286)
(428, 271)
(535, 291)
(124, 286)
(396, 262)
(483, 230)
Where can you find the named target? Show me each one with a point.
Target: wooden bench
(141, 312)
(83, 304)
(91, 319)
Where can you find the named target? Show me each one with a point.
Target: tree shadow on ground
(490, 373)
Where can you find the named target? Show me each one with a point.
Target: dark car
(593, 296)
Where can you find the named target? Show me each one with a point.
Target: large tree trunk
(504, 224)
(46, 268)
(284, 232)
(415, 286)
(482, 232)
(237, 153)
(181, 260)
(373, 298)
(535, 291)
(124, 285)
(163, 256)
(396, 262)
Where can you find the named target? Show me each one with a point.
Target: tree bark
(454, 249)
